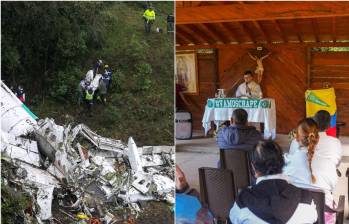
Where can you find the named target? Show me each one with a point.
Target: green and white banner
(258, 110)
(238, 103)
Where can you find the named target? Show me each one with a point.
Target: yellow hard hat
(106, 66)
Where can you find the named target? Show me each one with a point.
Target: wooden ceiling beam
(246, 31)
(278, 27)
(269, 46)
(261, 30)
(228, 30)
(334, 30)
(204, 35)
(179, 4)
(218, 31)
(315, 26)
(184, 37)
(206, 30)
(195, 3)
(296, 30)
(187, 30)
(180, 41)
(261, 11)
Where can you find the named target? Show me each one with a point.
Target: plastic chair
(319, 199)
(237, 161)
(339, 210)
(217, 191)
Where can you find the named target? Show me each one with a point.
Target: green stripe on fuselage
(29, 112)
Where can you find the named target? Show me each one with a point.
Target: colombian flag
(322, 99)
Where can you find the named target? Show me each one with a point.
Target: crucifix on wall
(259, 60)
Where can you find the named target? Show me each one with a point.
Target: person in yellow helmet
(149, 18)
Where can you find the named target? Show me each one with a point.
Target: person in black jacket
(273, 199)
(170, 23)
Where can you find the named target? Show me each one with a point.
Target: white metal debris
(44, 200)
(20, 149)
(94, 169)
(133, 156)
(16, 119)
(142, 182)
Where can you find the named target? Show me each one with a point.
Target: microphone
(248, 90)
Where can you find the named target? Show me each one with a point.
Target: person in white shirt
(328, 147)
(249, 89)
(313, 158)
(307, 138)
(273, 199)
(327, 156)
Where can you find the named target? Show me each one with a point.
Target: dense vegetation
(48, 46)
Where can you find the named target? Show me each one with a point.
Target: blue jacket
(108, 73)
(238, 136)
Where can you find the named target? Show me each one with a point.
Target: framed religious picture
(186, 72)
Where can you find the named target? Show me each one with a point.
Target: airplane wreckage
(74, 170)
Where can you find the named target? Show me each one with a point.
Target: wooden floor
(203, 152)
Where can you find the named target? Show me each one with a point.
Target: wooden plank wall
(285, 80)
(333, 67)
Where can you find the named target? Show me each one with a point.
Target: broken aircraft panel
(116, 172)
(100, 173)
(16, 118)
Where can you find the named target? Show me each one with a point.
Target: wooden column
(308, 60)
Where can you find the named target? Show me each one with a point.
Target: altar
(259, 110)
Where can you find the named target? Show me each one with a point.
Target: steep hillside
(140, 101)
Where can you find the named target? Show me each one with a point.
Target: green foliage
(49, 46)
(144, 71)
(12, 204)
(65, 85)
(11, 58)
(135, 49)
(40, 39)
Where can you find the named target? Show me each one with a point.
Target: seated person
(238, 134)
(188, 206)
(309, 169)
(190, 210)
(272, 199)
(182, 185)
(249, 89)
(328, 146)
